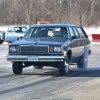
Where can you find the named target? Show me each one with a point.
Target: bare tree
(83, 12)
(29, 5)
(80, 11)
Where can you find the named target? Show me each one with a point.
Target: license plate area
(32, 58)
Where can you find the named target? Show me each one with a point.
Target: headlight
(14, 49)
(57, 49)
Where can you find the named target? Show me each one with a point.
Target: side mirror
(73, 37)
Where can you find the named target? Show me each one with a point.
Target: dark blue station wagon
(55, 45)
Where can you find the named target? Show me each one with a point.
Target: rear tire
(17, 67)
(83, 62)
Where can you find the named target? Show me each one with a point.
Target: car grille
(34, 49)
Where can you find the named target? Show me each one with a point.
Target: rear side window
(24, 29)
(81, 32)
(71, 31)
(10, 29)
(76, 32)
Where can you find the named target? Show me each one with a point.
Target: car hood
(41, 41)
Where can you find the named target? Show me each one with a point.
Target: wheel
(38, 67)
(83, 62)
(63, 69)
(1, 41)
(17, 67)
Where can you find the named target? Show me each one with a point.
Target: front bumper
(33, 58)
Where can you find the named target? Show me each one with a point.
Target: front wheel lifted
(17, 67)
(63, 68)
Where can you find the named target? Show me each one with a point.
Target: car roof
(53, 25)
(15, 26)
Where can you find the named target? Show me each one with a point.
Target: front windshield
(36, 32)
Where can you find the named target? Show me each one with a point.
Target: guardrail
(95, 37)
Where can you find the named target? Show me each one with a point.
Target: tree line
(83, 12)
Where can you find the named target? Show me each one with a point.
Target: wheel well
(69, 54)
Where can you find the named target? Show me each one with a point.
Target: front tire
(17, 67)
(83, 62)
(63, 69)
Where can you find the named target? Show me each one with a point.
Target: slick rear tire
(17, 67)
(83, 62)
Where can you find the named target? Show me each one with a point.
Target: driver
(64, 33)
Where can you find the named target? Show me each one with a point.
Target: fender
(67, 54)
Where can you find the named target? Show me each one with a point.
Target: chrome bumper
(33, 58)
